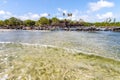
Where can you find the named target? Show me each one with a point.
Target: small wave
(52, 46)
(72, 51)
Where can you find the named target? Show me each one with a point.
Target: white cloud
(29, 16)
(62, 10)
(5, 14)
(105, 16)
(44, 15)
(32, 16)
(95, 6)
(76, 15)
(2, 12)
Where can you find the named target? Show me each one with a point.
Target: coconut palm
(63, 14)
(69, 14)
(49, 19)
(48, 14)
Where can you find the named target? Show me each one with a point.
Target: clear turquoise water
(102, 43)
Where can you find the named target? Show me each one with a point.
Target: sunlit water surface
(102, 43)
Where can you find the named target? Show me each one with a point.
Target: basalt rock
(116, 29)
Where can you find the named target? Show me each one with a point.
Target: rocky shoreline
(57, 28)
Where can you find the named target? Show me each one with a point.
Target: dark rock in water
(88, 29)
(79, 29)
(116, 29)
(107, 29)
(66, 29)
(99, 29)
(26, 28)
(36, 28)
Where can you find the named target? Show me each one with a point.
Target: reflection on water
(101, 43)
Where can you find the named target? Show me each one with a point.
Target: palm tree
(49, 19)
(69, 14)
(48, 14)
(63, 14)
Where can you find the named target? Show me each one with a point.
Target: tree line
(14, 23)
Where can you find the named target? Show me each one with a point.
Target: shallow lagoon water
(45, 55)
(101, 43)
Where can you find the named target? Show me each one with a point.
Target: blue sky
(88, 10)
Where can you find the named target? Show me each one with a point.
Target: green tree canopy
(55, 21)
(14, 21)
(6, 22)
(1, 23)
(29, 23)
(43, 21)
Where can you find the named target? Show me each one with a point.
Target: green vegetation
(29, 23)
(1, 23)
(55, 21)
(15, 23)
(43, 21)
(23, 62)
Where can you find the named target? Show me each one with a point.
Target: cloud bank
(95, 6)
